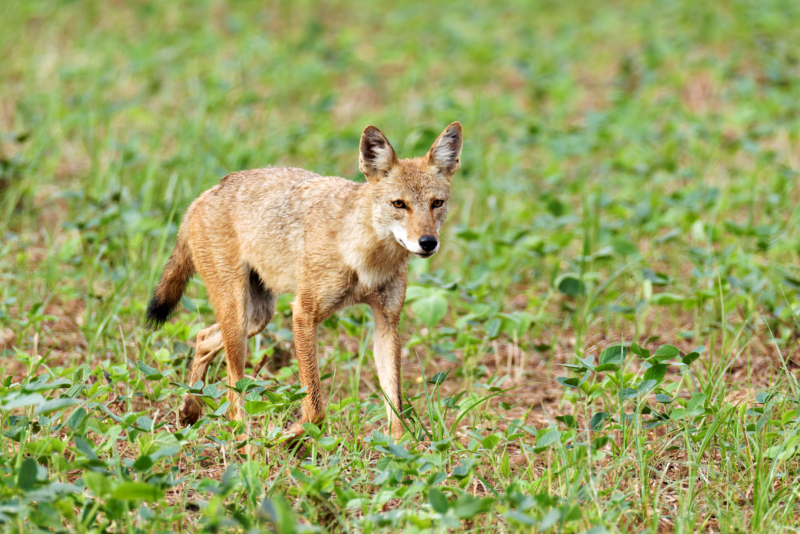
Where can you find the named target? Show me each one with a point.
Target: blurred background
(623, 163)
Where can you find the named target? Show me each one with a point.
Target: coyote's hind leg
(209, 344)
(261, 308)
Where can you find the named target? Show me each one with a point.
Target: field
(607, 341)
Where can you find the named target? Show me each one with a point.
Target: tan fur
(330, 241)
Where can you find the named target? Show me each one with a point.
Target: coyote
(330, 241)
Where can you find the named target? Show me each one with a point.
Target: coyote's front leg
(387, 360)
(386, 307)
(304, 325)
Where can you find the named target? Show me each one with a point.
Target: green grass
(627, 207)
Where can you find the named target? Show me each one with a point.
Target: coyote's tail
(173, 281)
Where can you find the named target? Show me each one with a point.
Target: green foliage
(624, 216)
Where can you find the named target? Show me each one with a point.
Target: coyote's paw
(246, 450)
(190, 411)
(293, 431)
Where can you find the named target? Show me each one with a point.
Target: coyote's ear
(376, 156)
(445, 154)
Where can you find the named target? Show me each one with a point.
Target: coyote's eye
(399, 204)
(437, 203)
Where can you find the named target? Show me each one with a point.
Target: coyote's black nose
(428, 243)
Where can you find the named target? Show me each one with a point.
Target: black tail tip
(158, 312)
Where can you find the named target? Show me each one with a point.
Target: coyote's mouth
(425, 254)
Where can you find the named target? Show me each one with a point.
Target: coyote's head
(409, 196)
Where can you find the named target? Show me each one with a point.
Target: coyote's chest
(373, 269)
(368, 280)
(353, 289)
